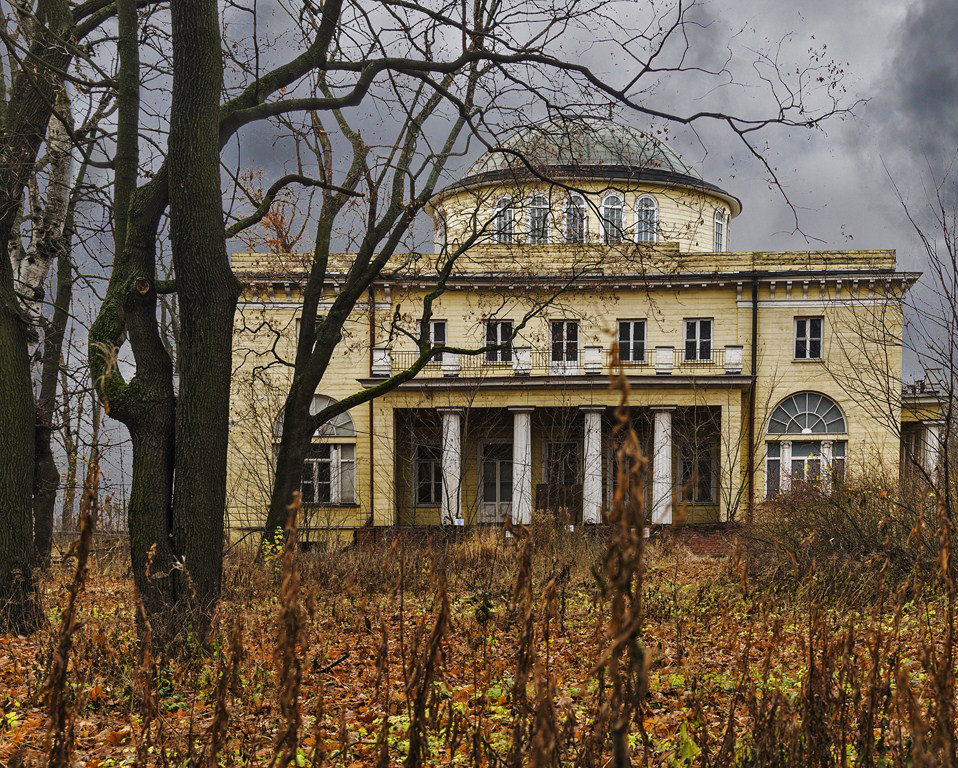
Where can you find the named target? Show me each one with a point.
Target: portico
(463, 465)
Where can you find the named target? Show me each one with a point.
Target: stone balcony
(526, 362)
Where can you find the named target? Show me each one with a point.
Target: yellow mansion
(748, 372)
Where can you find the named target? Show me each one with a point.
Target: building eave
(578, 382)
(570, 175)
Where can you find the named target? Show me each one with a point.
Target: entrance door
(495, 482)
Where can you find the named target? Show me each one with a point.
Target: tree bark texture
(145, 404)
(22, 131)
(52, 241)
(207, 292)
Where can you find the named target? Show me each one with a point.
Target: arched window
(338, 426)
(807, 413)
(720, 229)
(646, 219)
(503, 222)
(329, 469)
(538, 220)
(575, 224)
(613, 218)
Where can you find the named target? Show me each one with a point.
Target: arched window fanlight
(504, 222)
(613, 218)
(575, 226)
(338, 426)
(807, 413)
(538, 220)
(646, 219)
(720, 234)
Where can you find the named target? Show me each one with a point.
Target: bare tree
(39, 47)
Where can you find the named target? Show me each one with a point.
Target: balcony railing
(587, 361)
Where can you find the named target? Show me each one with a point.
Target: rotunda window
(538, 220)
(720, 237)
(646, 219)
(503, 222)
(613, 219)
(575, 225)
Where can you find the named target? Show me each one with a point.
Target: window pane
(815, 349)
(505, 480)
(773, 470)
(489, 481)
(438, 328)
(705, 347)
(309, 496)
(801, 349)
(347, 481)
(703, 491)
(816, 327)
(690, 349)
(705, 329)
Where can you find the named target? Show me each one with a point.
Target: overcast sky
(903, 58)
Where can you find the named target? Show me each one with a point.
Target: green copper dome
(582, 142)
(588, 148)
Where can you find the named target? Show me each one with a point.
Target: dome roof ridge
(582, 142)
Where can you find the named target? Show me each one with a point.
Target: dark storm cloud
(922, 83)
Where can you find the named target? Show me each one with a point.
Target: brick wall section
(707, 540)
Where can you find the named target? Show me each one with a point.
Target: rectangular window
(565, 341)
(807, 465)
(773, 469)
(437, 337)
(329, 474)
(497, 473)
(698, 340)
(499, 332)
(428, 475)
(838, 463)
(632, 341)
(808, 338)
(698, 471)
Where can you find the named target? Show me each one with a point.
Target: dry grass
(485, 650)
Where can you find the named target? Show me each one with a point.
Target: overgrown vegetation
(483, 649)
(848, 537)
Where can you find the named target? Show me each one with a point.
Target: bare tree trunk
(146, 403)
(47, 479)
(290, 456)
(67, 521)
(207, 293)
(28, 112)
(52, 240)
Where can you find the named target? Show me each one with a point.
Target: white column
(521, 465)
(932, 450)
(826, 465)
(786, 468)
(592, 467)
(662, 465)
(451, 465)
